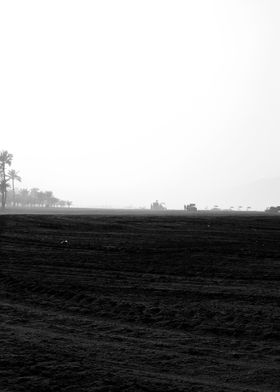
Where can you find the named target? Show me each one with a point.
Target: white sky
(123, 102)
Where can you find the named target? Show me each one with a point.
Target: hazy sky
(123, 102)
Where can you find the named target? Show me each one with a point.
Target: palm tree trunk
(3, 190)
(14, 197)
(4, 197)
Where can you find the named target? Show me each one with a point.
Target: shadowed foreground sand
(139, 303)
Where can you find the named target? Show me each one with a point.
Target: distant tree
(249, 208)
(53, 201)
(5, 160)
(41, 198)
(13, 176)
(36, 198)
(68, 203)
(62, 203)
(33, 197)
(48, 198)
(24, 197)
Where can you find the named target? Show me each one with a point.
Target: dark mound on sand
(139, 303)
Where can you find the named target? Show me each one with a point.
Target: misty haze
(139, 195)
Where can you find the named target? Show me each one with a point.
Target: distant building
(158, 206)
(190, 207)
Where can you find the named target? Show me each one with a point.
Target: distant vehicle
(158, 206)
(273, 210)
(190, 207)
(215, 208)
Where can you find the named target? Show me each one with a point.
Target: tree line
(12, 197)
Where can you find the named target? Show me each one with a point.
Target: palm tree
(13, 176)
(4, 185)
(5, 160)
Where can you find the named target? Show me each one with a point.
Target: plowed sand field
(139, 303)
